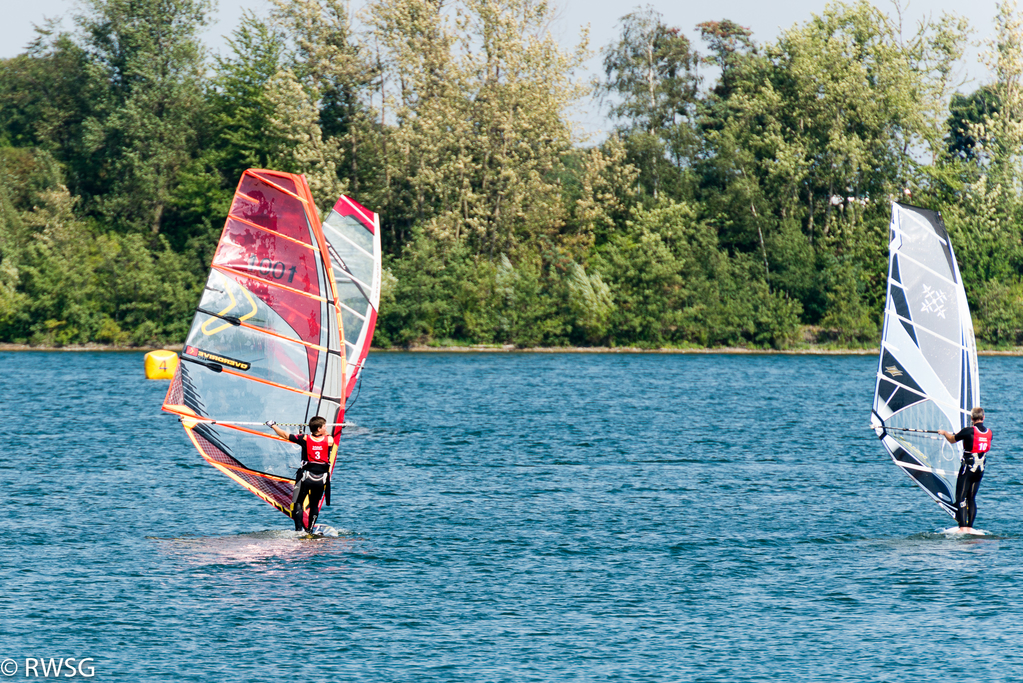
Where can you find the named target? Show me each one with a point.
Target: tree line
(742, 197)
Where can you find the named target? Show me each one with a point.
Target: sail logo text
(63, 667)
(934, 301)
(216, 358)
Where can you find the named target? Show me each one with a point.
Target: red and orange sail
(269, 338)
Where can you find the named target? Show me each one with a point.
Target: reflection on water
(276, 544)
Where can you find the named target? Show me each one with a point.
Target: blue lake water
(511, 517)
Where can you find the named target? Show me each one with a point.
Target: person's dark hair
(317, 422)
(977, 414)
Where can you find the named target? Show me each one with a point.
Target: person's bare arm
(277, 430)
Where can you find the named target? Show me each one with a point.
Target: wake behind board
(956, 531)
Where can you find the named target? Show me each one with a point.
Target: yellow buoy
(161, 364)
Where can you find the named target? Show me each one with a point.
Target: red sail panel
(269, 256)
(285, 180)
(274, 242)
(346, 206)
(268, 206)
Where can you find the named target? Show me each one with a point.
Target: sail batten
(927, 367)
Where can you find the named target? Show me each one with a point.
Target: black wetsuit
(311, 480)
(969, 478)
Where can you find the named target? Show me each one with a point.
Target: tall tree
(151, 57)
(651, 84)
(480, 99)
(336, 75)
(240, 106)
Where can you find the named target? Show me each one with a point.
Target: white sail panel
(353, 236)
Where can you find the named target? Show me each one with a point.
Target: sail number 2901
(275, 269)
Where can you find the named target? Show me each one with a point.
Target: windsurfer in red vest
(976, 444)
(313, 477)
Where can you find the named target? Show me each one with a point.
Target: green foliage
(999, 313)
(725, 216)
(966, 112)
(144, 127)
(672, 285)
(651, 89)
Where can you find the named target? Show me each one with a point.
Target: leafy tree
(479, 97)
(240, 106)
(144, 129)
(651, 88)
(966, 112)
(816, 135)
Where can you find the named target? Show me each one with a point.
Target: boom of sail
(281, 331)
(927, 369)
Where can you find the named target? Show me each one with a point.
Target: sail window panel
(359, 263)
(332, 332)
(270, 456)
(345, 284)
(932, 301)
(935, 453)
(351, 296)
(266, 357)
(353, 327)
(231, 398)
(332, 385)
(271, 208)
(329, 410)
(943, 357)
(349, 227)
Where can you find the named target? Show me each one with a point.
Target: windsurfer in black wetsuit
(976, 444)
(313, 477)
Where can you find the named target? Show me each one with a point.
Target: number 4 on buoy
(161, 364)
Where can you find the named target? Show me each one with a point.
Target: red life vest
(981, 441)
(317, 451)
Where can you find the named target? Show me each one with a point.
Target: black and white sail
(927, 370)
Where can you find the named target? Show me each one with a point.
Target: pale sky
(765, 18)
